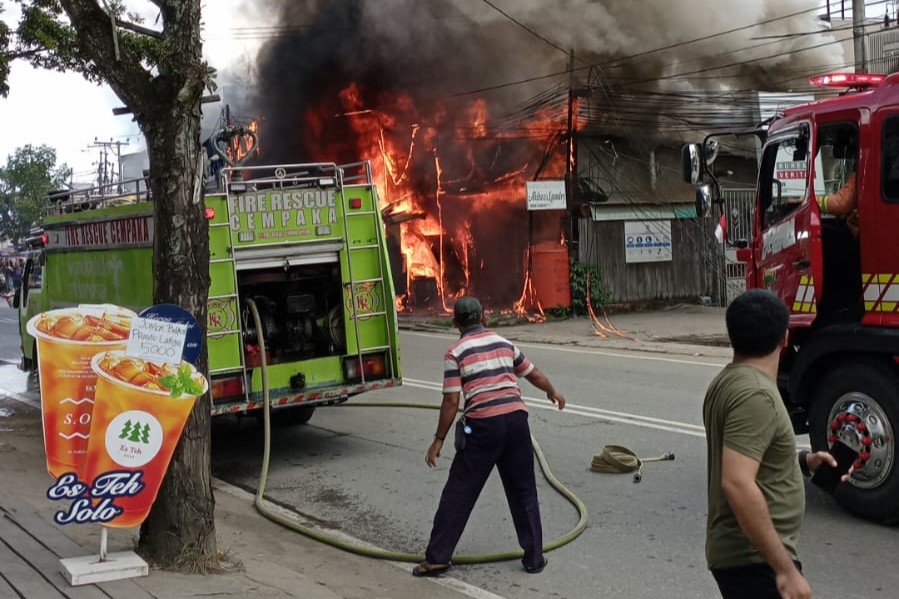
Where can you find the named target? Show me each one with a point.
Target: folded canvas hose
(616, 459)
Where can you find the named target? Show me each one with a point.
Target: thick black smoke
(432, 50)
(428, 50)
(333, 64)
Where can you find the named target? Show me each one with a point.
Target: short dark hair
(756, 322)
(467, 311)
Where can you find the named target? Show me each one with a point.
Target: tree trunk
(180, 530)
(161, 79)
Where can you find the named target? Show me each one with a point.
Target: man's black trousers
(504, 441)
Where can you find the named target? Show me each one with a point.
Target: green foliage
(46, 41)
(557, 313)
(598, 294)
(30, 173)
(5, 56)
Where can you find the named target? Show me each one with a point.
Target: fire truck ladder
(229, 295)
(378, 282)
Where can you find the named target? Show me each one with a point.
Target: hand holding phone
(826, 476)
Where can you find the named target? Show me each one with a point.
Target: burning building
(459, 104)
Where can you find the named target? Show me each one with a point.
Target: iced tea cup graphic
(137, 424)
(67, 340)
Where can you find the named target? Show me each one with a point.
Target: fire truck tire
(858, 402)
(291, 416)
(301, 414)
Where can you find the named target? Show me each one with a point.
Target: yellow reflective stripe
(881, 292)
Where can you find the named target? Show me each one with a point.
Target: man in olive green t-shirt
(756, 492)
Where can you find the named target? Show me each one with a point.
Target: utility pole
(570, 165)
(858, 35)
(103, 174)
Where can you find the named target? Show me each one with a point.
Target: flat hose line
(262, 504)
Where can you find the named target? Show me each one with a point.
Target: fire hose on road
(616, 459)
(272, 513)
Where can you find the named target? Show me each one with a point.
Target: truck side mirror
(703, 200)
(691, 163)
(710, 151)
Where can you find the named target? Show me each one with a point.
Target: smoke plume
(434, 50)
(458, 102)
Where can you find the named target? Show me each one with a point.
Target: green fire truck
(304, 242)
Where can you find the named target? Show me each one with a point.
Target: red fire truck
(838, 273)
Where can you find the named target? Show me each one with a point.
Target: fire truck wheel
(301, 415)
(292, 416)
(858, 404)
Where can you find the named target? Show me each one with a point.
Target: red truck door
(878, 217)
(787, 241)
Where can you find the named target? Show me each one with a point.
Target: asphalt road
(360, 471)
(9, 334)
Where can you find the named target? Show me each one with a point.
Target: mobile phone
(826, 476)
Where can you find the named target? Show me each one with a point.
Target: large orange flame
(452, 191)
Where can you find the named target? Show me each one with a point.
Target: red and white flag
(721, 229)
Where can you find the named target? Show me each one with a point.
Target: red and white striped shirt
(485, 368)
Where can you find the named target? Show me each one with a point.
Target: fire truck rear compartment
(300, 310)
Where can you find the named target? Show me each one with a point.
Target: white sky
(64, 111)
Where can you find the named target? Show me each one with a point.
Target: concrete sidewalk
(277, 563)
(274, 563)
(681, 329)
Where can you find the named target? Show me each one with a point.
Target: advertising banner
(116, 392)
(67, 340)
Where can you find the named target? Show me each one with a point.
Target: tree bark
(165, 100)
(180, 530)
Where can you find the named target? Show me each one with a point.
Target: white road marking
(549, 346)
(672, 426)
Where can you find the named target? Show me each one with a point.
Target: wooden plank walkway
(30, 550)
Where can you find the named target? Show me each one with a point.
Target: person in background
(844, 202)
(485, 367)
(756, 495)
(6, 276)
(17, 273)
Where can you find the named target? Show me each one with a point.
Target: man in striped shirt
(484, 368)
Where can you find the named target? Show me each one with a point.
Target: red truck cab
(835, 263)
